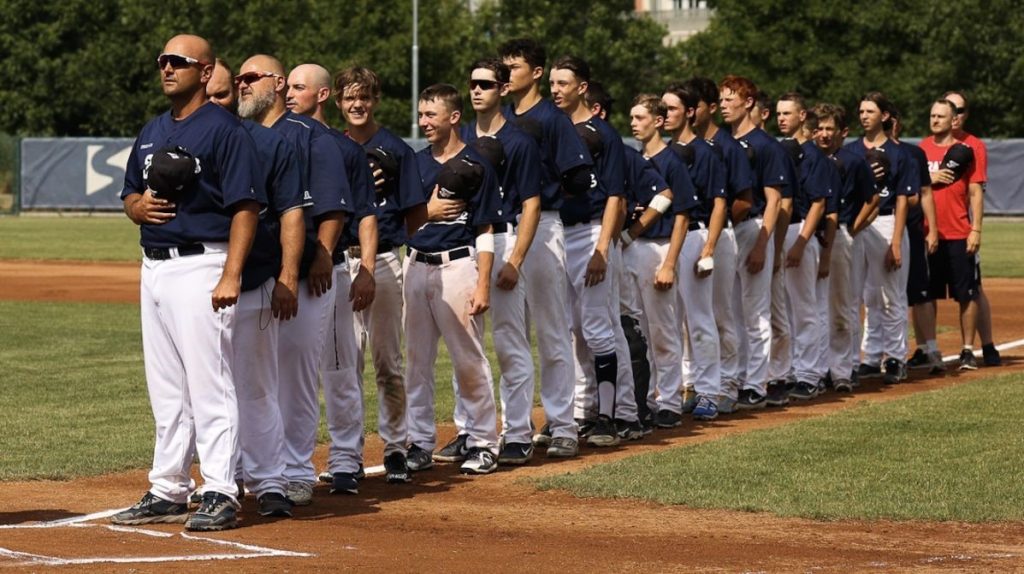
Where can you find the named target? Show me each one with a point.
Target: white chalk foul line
(65, 521)
(977, 353)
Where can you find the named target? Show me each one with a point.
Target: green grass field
(114, 238)
(73, 391)
(952, 454)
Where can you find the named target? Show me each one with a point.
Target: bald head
(309, 87)
(261, 88)
(191, 46)
(184, 79)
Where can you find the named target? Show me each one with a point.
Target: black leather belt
(886, 211)
(440, 258)
(504, 228)
(339, 257)
(695, 225)
(161, 253)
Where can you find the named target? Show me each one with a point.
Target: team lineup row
(719, 269)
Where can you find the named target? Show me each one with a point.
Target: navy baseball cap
(794, 150)
(381, 159)
(460, 178)
(172, 172)
(591, 138)
(684, 152)
(878, 155)
(491, 149)
(958, 159)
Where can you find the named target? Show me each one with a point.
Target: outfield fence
(86, 174)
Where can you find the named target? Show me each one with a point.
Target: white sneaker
(300, 493)
(479, 461)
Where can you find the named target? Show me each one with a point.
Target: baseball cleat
(479, 461)
(455, 451)
(967, 360)
(603, 433)
(750, 399)
(629, 430)
(396, 471)
(936, 366)
(300, 493)
(705, 410)
(563, 447)
(152, 510)
(667, 419)
(990, 355)
(418, 459)
(585, 427)
(867, 371)
(217, 512)
(778, 394)
(919, 360)
(344, 483)
(275, 504)
(516, 453)
(843, 386)
(895, 371)
(804, 391)
(543, 438)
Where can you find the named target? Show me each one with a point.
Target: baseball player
(816, 178)
(262, 93)
(357, 93)
(271, 275)
(447, 286)
(754, 234)
(738, 200)
(566, 163)
(309, 90)
(696, 287)
(195, 244)
(885, 243)
(519, 177)
(591, 221)
(858, 200)
(653, 264)
(989, 352)
(959, 199)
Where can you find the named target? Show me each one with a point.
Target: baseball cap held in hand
(172, 173)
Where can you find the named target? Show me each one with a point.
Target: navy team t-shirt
(561, 148)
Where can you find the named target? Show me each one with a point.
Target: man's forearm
(293, 234)
(368, 242)
(243, 230)
(525, 231)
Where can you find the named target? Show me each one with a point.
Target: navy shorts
(917, 277)
(953, 272)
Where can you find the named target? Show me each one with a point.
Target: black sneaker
(990, 356)
(454, 451)
(585, 427)
(603, 433)
(866, 371)
(152, 510)
(516, 453)
(667, 419)
(479, 461)
(274, 504)
(967, 360)
(396, 471)
(418, 459)
(778, 394)
(895, 371)
(919, 360)
(217, 512)
(629, 430)
(804, 391)
(750, 399)
(345, 483)
(543, 438)
(647, 423)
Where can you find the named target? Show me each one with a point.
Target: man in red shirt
(988, 348)
(957, 191)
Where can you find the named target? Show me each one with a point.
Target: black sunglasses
(251, 78)
(177, 61)
(483, 84)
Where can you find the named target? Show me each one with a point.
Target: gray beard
(256, 105)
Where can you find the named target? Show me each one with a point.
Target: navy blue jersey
(520, 176)
(319, 159)
(770, 167)
(642, 183)
(228, 174)
(356, 171)
(483, 209)
(902, 178)
(816, 180)
(709, 177)
(915, 214)
(561, 148)
(283, 183)
(684, 195)
(858, 184)
(611, 178)
(391, 210)
(737, 166)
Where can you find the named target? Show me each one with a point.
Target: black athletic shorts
(917, 277)
(954, 273)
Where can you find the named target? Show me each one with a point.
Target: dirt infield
(444, 522)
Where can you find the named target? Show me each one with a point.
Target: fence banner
(87, 174)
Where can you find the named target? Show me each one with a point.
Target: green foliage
(836, 51)
(79, 68)
(952, 454)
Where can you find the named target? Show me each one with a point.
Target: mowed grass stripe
(73, 392)
(951, 454)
